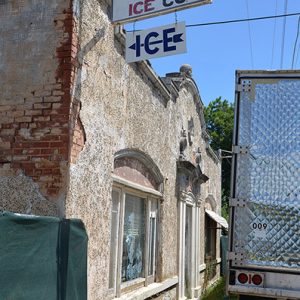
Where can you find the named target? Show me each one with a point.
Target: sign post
(155, 42)
(132, 10)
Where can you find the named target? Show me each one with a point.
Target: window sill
(132, 285)
(150, 290)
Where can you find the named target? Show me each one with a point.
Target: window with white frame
(210, 246)
(133, 238)
(210, 239)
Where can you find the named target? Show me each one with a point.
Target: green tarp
(42, 258)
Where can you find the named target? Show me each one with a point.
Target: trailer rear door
(265, 204)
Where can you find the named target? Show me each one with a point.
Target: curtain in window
(134, 238)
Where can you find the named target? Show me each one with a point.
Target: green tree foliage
(219, 117)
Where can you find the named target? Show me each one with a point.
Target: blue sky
(215, 52)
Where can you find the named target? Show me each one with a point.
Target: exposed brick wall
(35, 97)
(78, 140)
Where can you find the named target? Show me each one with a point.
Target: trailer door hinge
(236, 202)
(240, 149)
(237, 259)
(235, 256)
(245, 86)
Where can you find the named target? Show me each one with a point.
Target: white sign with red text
(155, 42)
(132, 10)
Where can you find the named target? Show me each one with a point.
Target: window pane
(114, 238)
(134, 238)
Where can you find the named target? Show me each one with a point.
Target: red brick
(40, 144)
(49, 138)
(41, 93)
(6, 107)
(52, 99)
(17, 151)
(56, 171)
(64, 138)
(33, 100)
(17, 113)
(47, 151)
(42, 105)
(60, 118)
(7, 120)
(47, 171)
(37, 172)
(33, 113)
(62, 54)
(41, 118)
(58, 93)
(23, 119)
(20, 157)
(24, 125)
(9, 131)
(32, 151)
(16, 165)
(52, 191)
(57, 144)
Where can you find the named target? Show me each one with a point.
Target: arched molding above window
(138, 167)
(210, 203)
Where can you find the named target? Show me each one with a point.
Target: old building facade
(85, 135)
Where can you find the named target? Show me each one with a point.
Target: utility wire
(237, 20)
(283, 34)
(297, 52)
(249, 33)
(243, 20)
(295, 45)
(274, 33)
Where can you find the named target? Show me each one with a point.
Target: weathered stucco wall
(34, 104)
(68, 103)
(121, 108)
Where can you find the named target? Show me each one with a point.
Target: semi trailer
(264, 233)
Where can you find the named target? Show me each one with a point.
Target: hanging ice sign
(132, 10)
(155, 42)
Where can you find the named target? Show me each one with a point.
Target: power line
(297, 52)
(295, 45)
(237, 20)
(274, 33)
(283, 34)
(250, 38)
(243, 20)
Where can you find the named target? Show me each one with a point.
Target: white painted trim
(202, 268)
(133, 282)
(150, 290)
(136, 186)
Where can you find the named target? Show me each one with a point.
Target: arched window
(137, 188)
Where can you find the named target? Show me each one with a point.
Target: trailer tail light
(249, 279)
(242, 278)
(257, 279)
